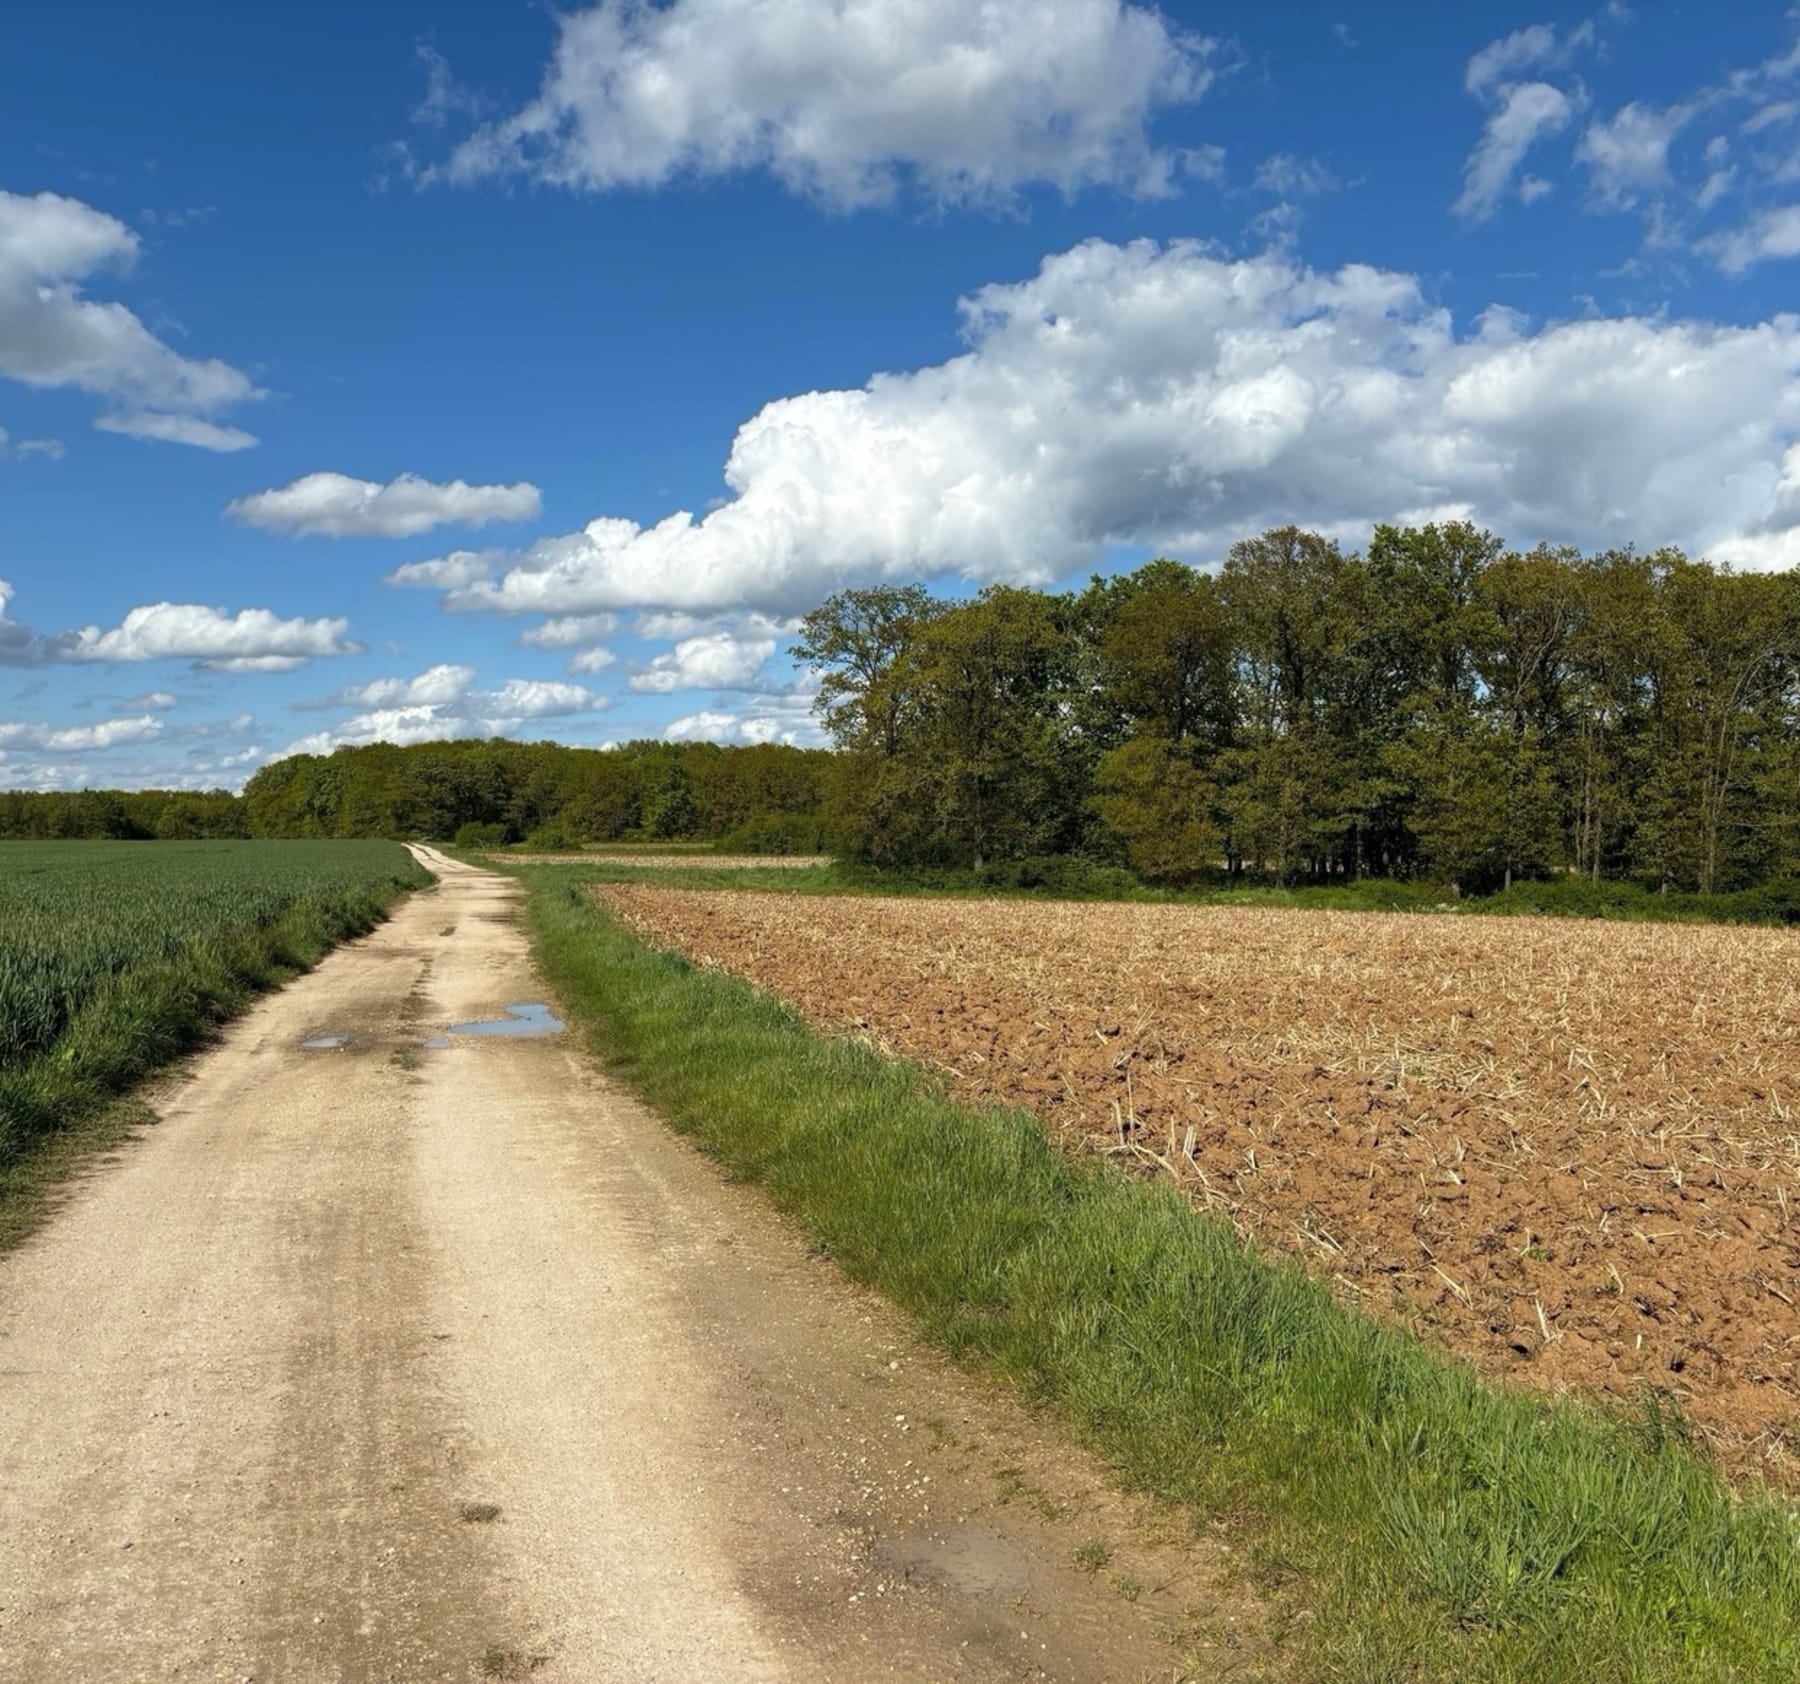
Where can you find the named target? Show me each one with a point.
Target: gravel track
(390, 1363)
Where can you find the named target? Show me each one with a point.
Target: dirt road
(396, 1363)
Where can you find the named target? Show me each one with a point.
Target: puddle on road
(524, 1017)
(965, 1559)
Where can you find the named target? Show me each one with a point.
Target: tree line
(137, 815)
(765, 798)
(761, 798)
(1435, 706)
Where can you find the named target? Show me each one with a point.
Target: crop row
(115, 956)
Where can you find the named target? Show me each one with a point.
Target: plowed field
(1569, 1148)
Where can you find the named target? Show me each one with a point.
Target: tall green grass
(117, 956)
(1426, 1525)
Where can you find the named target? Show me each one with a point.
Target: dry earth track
(1572, 1147)
(260, 1373)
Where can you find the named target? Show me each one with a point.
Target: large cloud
(1163, 396)
(846, 99)
(337, 506)
(50, 335)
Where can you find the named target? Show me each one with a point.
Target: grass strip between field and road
(120, 1013)
(1406, 1519)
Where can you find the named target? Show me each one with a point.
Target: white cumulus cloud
(847, 100)
(446, 572)
(441, 683)
(52, 335)
(337, 506)
(535, 698)
(567, 631)
(438, 706)
(1165, 396)
(770, 719)
(252, 640)
(679, 623)
(712, 661)
(72, 739)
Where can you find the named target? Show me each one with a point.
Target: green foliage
(167, 815)
(482, 794)
(1774, 902)
(551, 839)
(1151, 796)
(777, 833)
(1439, 707)
(853, 641)
(117, 956)
(1435, 1527)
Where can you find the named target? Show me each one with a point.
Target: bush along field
(1407, 1519)
(117, 956)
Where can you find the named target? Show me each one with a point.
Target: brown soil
(1570, 1147)
(382, 1363)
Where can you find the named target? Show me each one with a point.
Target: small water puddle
(524, 1017)
(324, 1043)
(965, 1559)
(435, 1041)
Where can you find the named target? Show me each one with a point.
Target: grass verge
(1416, 1523)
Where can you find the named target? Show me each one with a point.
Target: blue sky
(419, 370)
